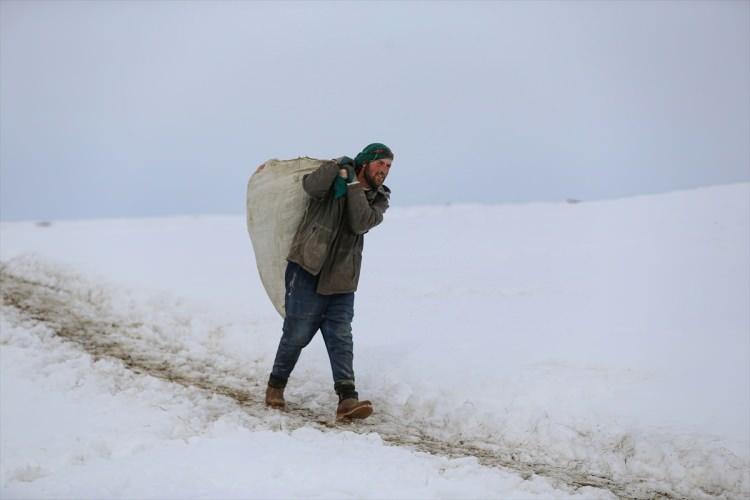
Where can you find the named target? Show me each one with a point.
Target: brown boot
(353, 408)
(275, 398)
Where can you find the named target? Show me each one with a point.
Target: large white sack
(276, 203)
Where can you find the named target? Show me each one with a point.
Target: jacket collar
(383, 190)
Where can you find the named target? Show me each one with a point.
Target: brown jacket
(330, 238)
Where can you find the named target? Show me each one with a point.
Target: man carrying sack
(347, 199)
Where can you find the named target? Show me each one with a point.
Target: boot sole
(363, 411)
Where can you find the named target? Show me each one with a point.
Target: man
(347, 199)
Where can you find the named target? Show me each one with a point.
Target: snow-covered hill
(552, 350)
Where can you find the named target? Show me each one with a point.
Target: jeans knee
(298, 333)
(341, 333)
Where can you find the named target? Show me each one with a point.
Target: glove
(346, 176)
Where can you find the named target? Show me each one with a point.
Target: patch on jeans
(290, 288)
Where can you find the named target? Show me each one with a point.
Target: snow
(527, 348)
(126, 436)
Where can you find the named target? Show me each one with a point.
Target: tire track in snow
(82, 318)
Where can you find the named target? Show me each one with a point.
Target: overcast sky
(134, 108)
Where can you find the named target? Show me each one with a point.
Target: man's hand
(347, 177)
(347, 173)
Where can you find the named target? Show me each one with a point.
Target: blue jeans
(307, 312)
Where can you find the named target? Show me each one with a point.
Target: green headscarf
(374, 151)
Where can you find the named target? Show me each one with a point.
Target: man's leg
(336, 328)
(298, 332)
(304, 312)
(337, 334)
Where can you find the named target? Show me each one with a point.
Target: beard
(374, 181)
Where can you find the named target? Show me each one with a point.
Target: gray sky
(137, 108)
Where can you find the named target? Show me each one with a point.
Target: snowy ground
(586, 350)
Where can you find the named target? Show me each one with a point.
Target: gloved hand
(347, 173)
(346, 176)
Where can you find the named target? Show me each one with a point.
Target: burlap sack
(276, 203)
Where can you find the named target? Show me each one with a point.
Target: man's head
(373, 164)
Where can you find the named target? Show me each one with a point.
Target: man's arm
(318, 183)
(363, 216)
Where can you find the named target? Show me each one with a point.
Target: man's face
(376, 171)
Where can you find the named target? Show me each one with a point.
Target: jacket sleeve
(318, 183)
(363, 216)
